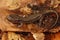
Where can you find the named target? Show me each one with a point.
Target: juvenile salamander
(15, 18)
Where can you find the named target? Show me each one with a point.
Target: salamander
(15, 18)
